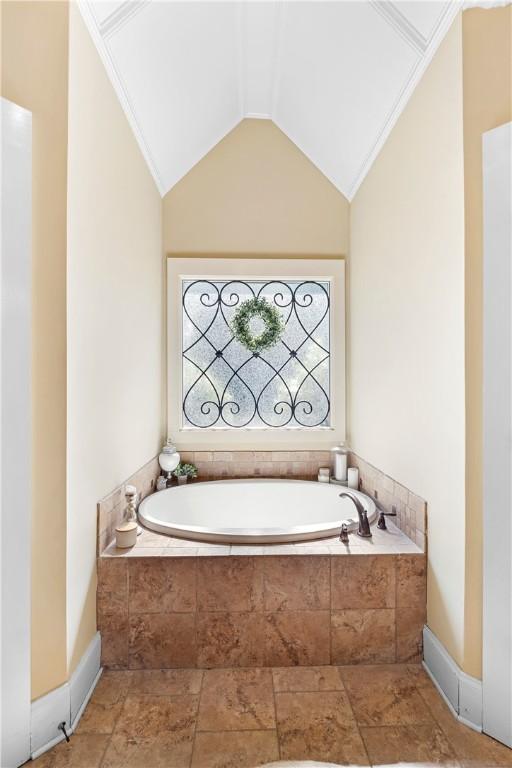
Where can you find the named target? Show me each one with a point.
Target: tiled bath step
(243, 718)
(253, 611)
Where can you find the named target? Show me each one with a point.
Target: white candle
(340, 463)
(353, 477)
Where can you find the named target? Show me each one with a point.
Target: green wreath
(270, 316)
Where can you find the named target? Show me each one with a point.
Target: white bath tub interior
(253, 511)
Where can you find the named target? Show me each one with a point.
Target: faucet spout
(364, 524)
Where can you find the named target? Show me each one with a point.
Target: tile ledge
(286, 550)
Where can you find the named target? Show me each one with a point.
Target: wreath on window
(268, 314)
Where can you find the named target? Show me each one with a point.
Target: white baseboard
(461, 692)
(66, 703)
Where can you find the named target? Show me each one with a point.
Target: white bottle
(339, 462)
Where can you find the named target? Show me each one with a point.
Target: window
(232, 383)
(256, 353)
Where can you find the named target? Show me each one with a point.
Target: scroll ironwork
(225, 385)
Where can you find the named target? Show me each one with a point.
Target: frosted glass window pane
(225, 385)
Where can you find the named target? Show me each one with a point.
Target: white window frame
(251, 438)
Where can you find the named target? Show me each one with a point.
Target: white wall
(487, 96)
(115, 317)
(497, 420)
(406, 323)
(16, 434)
(34, 74)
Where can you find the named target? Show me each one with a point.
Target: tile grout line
(396, 608)
(109, 741)
(197, 717)
(258, 666)
(104, 753)
(330, 610)
(124, 702)
(128, 621)
(278, 740)
(196, 614)
(237, 730)
(460, 760)
(358, 729)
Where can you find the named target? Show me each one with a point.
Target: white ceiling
(334, 76)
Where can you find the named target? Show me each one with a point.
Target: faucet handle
(381, 523)
(344, 533)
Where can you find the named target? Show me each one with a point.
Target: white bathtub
(252, 511)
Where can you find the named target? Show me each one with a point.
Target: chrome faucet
(364, 525)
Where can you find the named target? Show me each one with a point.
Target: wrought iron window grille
(225, 385)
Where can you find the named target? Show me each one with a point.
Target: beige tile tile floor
(243, 718)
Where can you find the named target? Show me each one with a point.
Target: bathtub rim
(254, 536)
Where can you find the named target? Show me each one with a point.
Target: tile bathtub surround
(242, 718)
(163, 612)
(110, 509)
(294, 465)
(212, 465)
(304, 465)
(153, 544)
(411, 510)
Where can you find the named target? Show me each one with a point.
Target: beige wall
(34, 75)
(487, 36)
(115, 321)
(406, 359)
(255, 193)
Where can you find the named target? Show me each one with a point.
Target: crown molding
(278, 51)
(424, 48)
(417, 72)
(241, 29)
(85, 8)
(118, 18)
(394, 16)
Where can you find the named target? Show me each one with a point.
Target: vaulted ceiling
(333, 76)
